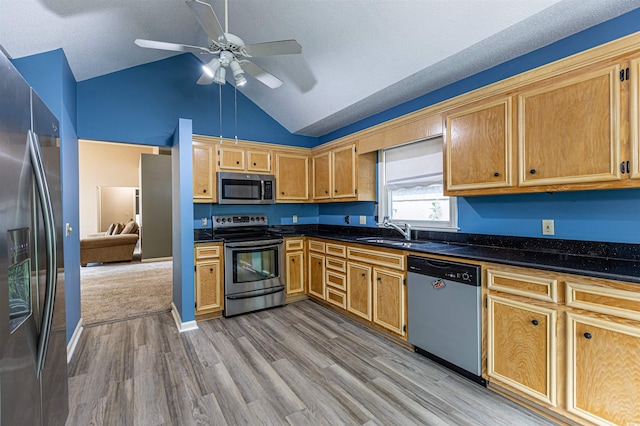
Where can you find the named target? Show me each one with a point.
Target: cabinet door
(316, 275)
(634, 159)
(231, 158)
(569, 132)
(389, 300)
(208, 286)
(603, 370)
(344, 172)
(359, 290)
(478, 146)
(521, 348)
(203, 182)
(321, 165)
(295, 273)
(292, 177)
(258, 161)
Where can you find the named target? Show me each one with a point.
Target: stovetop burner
(242, 228)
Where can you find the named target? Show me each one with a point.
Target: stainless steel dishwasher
(445, 314)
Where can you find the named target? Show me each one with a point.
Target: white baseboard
(182, 326)
(75, 337)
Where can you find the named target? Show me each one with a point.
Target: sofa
(115, 245)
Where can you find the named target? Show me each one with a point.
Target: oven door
(251, 266)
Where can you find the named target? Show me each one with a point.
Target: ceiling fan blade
(173, 47)
(261, 75)
(282, 47)
(205, 79)
(207, 19)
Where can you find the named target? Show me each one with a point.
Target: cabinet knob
(319, 262)
(237, 162)
(587, 335)
(534, 322)
(363, 275)
(254, 164)
(293, 260)
(204, 190)
(210, 269)
(622, 168)
(532, 171)
(496, 174)
(282, 192)
(379, 279)
(326, 192)
(336, 190)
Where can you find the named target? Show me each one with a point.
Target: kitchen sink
(386, 241)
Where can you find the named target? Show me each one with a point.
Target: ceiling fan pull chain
(220, 98)
(235, 110)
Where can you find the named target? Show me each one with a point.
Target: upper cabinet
(243, 159)
(478, 142)
(569, 129)
(203, 173)
(292, 176)
(634, 160)
(340, 174)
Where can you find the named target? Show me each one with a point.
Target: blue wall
(143, 104)
(49, 74)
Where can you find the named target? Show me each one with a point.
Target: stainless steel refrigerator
(33, 362)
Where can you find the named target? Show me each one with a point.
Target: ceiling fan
(229, 50)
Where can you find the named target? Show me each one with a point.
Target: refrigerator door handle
(51, 249)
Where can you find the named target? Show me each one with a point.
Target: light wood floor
(301, 364)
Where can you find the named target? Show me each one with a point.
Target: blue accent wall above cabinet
(142, 105)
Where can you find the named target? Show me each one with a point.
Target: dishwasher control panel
(459, 272)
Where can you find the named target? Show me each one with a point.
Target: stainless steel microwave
(244, 188)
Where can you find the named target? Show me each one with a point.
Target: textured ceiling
(359, 57)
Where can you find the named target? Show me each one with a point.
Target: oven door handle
(253, 245)
(273, 290)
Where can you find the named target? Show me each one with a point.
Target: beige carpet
(118, 291)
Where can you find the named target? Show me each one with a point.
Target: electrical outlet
(363, 220)
(547, 227)
(295, 218)
(347, 219)
(204, 221)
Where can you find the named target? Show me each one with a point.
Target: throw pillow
(110, 229)
(118, 229)
(130, 228)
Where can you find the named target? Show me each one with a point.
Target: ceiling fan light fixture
(238, 73)
(211, 68)
(220, 76)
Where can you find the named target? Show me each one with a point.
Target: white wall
(105, 164)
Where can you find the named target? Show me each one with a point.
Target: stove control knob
(218, 220)
(465, 276)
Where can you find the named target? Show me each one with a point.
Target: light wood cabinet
(204, 190)
(237, 158)
(521, 349)
(569, 129)
(478, 146)
(388, 300)
(292, 177)
(294, 268)
(321, 169)
(209, 295)
(359, 290)
(634, 156)
(316, 275)
(340, 174)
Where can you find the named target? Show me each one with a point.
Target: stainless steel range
(253, 263)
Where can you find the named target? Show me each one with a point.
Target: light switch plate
(295, 218)
(363, 220)
(547, 227)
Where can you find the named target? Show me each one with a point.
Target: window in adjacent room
(410, 186)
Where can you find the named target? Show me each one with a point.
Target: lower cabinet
(388, 300)
(568, 344)
(294, 267)
(208, 279)
(316, 275)
(359, 289)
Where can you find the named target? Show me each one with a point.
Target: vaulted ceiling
(359, 57)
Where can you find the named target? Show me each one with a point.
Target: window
(410, 186)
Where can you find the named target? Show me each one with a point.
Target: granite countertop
(616, 261)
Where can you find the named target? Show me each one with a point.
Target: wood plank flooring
(300, 364)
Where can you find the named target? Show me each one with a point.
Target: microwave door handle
(51, 249)
(262, 189)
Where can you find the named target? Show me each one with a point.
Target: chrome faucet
(406, 233)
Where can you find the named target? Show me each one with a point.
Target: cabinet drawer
(605, 300)
(336, 280)
(291, 245)
(208, 252)
(335, 249)
(336, 297)
(378, 258)
(336, 264)
(316, 246)
(539, 288)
